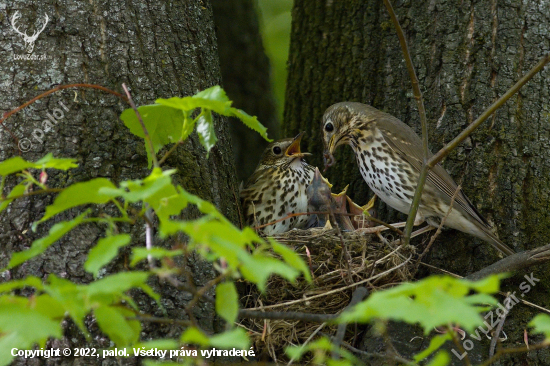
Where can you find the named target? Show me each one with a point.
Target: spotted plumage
(278, 187)
(389, 156)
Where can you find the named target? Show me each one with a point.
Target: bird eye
(277, 150)
(329, 127)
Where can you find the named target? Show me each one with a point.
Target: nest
(369, 262)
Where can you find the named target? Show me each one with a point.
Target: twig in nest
(496, 335)
(358, 295)
(336, 290)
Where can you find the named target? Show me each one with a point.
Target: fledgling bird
(278, 187)
(389, 155)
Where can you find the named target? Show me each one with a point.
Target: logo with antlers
(29, 40)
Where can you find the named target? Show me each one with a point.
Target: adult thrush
(389, 155)
(278, 187)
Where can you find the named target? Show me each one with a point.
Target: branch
(145, 132)
(291, 315)
(422, 112)
(358, 295)
(514, 262)
(506, 351)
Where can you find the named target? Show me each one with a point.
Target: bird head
(341, 123)
(283, 152)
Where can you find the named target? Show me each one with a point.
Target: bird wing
(404, 141)
(256, 180)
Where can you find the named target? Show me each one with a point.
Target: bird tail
(496, 242)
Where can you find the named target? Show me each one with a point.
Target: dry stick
(148, 212)
(307, 341)
(466, 359)
(358, 295)
(326, 213)
(514, 262)
(422, 112)
(145, 132)
(496, 335)
(507, 351)
(379, 355)
(336, 290)
(343, 244)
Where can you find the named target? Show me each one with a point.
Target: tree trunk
(159, 49)
(245, 74)
(467, 54)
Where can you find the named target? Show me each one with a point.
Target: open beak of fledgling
(294, 149)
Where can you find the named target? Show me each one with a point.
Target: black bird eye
(329, 127)
(276, 150)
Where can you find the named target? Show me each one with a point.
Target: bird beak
(328, 157)
(294, 148)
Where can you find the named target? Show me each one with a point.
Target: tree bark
(245, 74)
(466, 55)
(159, 49)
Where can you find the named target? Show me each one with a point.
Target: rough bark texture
(467, 54)
(159, 49)
(245, 74)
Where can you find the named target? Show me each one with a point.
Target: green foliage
(105, 250)
(322, 349)
(235, 338)
(432, 302)
(79, 194)
(170, 121)
(29, 321)
(212, 235)
(541, 325)
(17, 164)
(227, 301)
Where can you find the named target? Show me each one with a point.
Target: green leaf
(432, 302)
(291, 258)
(251, 122)
(194, 336)
(30, 281)
(18, 190)
(164, 125)
(13, 165)
(541, 323)
(105, 250)
(117, 283)
(71, 297)
(112, 321)
(235, 338)
(21, 328)
(49, 161)
(441, 359)
(79, 194)
(227, 301)
(213, 98)
(206, 132)
(435, 343)
(139, 254)
(40, 245)
(17, 164)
